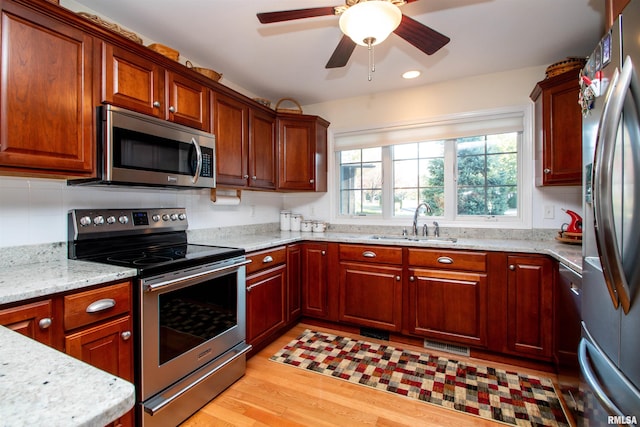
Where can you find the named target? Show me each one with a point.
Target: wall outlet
(549, 212)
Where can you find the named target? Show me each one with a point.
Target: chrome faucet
(415, 216)
(436, 229)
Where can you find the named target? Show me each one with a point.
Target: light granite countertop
(41, 386)
(38, 383)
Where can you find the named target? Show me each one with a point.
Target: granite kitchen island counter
(41, 386)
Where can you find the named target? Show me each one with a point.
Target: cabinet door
(559, 131)
(107, 346)
(371, 295)
(266, 303)
(314, 282)
(530, 306)
(448, 305)
(297, 154)
(33, 320)
(262, 150)
(132, 82)
(230, 118)
(294, 276)
(46, 80)
(188, 102)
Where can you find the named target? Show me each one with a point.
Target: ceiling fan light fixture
(369, 23)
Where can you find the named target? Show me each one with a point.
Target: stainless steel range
(190, 306)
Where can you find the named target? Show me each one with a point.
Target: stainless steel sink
(425, 239)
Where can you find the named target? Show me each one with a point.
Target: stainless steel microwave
(140, 150)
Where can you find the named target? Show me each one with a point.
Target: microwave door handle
(196, 175)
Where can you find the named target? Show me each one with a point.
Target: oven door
(187, 320)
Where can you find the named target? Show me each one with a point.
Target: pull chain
(372, 64)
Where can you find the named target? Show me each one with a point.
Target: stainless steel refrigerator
(609, 350)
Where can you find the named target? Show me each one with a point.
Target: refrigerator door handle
(592, 380)
(605, 232)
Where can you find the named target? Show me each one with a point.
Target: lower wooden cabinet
(448, 305)
(294, 278)
(371, 295)
(266, 303)
(315, 287)
(33, 320)
(530, 282)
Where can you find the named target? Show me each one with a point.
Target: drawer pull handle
(101, 305)
(267, 259)
(369, 254)
(445, 260)
(250, 288)
(45, 323)
(126, 335)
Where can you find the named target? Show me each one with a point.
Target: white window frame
(464, 124)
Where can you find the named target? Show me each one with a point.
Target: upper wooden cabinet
(302, 147)
(46, 125)
(558, 130)
(245, 144)
(613, 9)
(139, 84)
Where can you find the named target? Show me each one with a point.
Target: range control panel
(95, 223)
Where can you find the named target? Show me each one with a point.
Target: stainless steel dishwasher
(567, 337)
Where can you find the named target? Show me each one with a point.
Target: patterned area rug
(486, 392)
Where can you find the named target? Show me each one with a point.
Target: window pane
(471, 201)
(405, 151)
(350, 202)
(502, 143)
(502, 201)
(372, 202)
(471, 170)
(350, 156)
(405, 173)
(351, 176)
(434, 196)
(431, 149)
(501, 169)
(405, 201)
(372, 154)
(471, 146)
(431, 172)
(372, 175)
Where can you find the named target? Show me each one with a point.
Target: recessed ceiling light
(411, 74)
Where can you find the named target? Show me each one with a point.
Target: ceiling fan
(380, 16)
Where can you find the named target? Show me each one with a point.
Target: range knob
(123, 219)
(174, 217)
(85, 220)
(182, 217)
(155, 218)
(99, 220)
(111, 219)
(165, 217)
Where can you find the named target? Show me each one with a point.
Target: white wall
(485, 92)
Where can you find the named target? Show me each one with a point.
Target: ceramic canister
(285, 220)
(306, 225)
(296, 220)
(319, 226)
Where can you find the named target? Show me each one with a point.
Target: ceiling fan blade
(424, 38)
(343, 52)
(289, 15)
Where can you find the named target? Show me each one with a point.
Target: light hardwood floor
(273, 394)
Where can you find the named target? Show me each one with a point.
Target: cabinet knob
(323, 253)
(156, 104)
(512, 267)
(245, 176)
(397, 278)
(254, 177)
(45, 323)
(412, 279)
(547, 170)
(311, 181)
(172, 109)
(126, 335)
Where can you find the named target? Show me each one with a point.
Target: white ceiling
(287, 59)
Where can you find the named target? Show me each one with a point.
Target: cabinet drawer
(451, 260)
(91, 306)
(376, 254)
(266, 259)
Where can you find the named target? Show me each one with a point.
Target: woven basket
(288, 110)
(565, 66)
(165, 51)
(111, 26)
(213, 75)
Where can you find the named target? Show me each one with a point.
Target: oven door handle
(168, 283)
